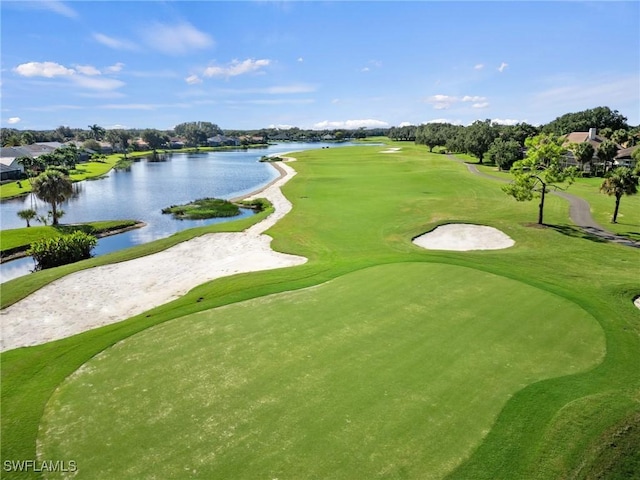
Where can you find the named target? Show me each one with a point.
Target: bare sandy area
(464, 237)
(108, 294)
(636, 302)
(391, 150)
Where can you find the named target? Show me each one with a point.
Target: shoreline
(108, 294)
(108, 233)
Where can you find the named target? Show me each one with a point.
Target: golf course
(375, 359)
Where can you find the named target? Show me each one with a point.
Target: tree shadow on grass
(593, 234)
(577, 232)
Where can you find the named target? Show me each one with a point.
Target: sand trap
(464, 237)
(391, 150)
(636, 302)
(108, 294)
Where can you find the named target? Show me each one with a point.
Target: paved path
(579, 210)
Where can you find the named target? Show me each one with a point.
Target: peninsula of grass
(16, 241)
(203, 208)
(400, 362)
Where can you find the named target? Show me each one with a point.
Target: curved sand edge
(108, 294)
(464, 237)
(636, 302)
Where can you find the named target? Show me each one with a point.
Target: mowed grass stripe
(391, 371)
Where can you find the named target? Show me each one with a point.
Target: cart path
(579, 210)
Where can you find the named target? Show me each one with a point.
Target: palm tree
(28, 215)
(97, 132)
(621, 181)
(53, 187)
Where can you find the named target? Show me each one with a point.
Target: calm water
(141, 192)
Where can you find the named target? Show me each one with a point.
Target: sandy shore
(108, 294)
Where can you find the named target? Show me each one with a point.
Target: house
(624, 158)
(221, 140)
(10, 169)
(581, 137)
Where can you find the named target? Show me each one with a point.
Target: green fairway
(389, 371)
(512, 330)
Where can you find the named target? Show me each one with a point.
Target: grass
(20, 238)
(203, 208)
(376, 371)
(602, 205)
(354, 214)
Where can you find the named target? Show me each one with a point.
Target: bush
(203, 208)
(53, 252)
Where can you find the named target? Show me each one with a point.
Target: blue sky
(256, 64)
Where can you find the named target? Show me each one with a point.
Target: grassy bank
(518, 363)
(17, 240)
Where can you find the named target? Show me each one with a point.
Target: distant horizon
(253, 65)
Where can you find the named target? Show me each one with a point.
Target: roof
(626, 152)
(14, 152)
(7, 168)
(581, 137)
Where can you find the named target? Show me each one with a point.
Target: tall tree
(53, 187)
(478, 137)
(539, 171)
(154, 138)
(620, 181)
(504, 153)
(97, 132)
(599, 117)
(607, 152)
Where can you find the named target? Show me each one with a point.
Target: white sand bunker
(636, 302)
(464, 237)
(391, 150)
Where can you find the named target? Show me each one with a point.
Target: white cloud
(176, 39)
(87, 70)
(350, 124)
(95, 83)
(442, 102)
(236, 68)
(193, 80)
(56, 7)
(43, 69)
(468, 98)
(13, 120)
(336, 101)
(444, 120)
(502, 66)
(505, 121)
(406, 124)
(85, 76)
(115, 43)
(365, 69)
(281, 127)
(479, 66)
(300, 59)
(115, 68)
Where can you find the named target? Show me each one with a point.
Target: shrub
(53, 252)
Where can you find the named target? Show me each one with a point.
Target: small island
(204, 208)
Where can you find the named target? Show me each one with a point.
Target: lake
(141, 192)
